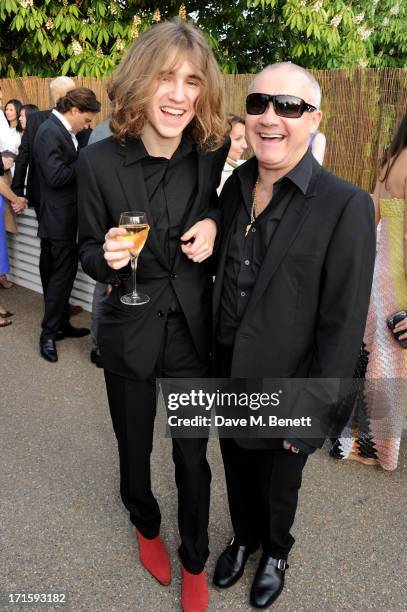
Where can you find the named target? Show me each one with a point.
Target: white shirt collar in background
(67, 125)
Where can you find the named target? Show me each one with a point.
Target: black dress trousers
(262, 486)
(58, 267)
(133, 408)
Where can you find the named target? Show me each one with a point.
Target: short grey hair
(60, 86)
(290, 67)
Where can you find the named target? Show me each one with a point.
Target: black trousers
(133, 408)
(263, 490)
(262, 486)
(44, 263)
(58, 267)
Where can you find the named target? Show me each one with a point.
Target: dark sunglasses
(284, 106)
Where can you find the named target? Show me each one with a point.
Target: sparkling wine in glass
(136, 226)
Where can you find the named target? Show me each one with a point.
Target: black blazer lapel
(289, 227)
(203, 164)
(220, 270)
(189, 217)
(131, 180)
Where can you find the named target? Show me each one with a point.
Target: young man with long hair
(164, 158)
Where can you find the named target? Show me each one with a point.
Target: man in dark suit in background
(26, 178)
(59, 87)
(26, 159)
(290, 300)
(56, 152)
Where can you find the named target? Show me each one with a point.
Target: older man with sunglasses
(290, 301)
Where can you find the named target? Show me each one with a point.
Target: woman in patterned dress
(374, 432)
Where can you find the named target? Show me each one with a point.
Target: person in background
(381, 404)
(26, 176)
(4, 317)
(25, 170)
(101, 131)
(5, 164)
(6, 193)
(56, 153)
(8, 153)
(101, 290)
(238, 145)
(20, 204)
(12, 112)
(25, 111)
(317, 144)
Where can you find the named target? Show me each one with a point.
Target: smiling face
(11, 114)
(279, 143)
(171, 107)
(238, 139)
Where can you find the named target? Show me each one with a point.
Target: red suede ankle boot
(153, 555)
(194, 592)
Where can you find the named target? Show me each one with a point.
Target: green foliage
(84, 37)
(338, 33)
(88, 37)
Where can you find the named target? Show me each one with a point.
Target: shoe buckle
(282, 564)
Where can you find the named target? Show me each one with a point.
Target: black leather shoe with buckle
(48, 350)
(268, 582)
(231, 564)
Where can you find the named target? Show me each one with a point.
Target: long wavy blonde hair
(136, 80)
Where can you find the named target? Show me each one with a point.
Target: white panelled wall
(24, 253)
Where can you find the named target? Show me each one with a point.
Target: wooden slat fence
(361, 110)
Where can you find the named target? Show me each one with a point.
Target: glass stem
(133, 261)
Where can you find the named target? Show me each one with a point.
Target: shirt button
(253, 229)
(243, 293)
(173, 276)
(247, 262)
(160, 313)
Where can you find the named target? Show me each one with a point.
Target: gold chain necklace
(253, 212)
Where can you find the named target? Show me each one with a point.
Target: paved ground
(63, 526)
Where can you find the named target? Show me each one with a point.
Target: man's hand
(288, 446)
(7, 162)
(401, 326)
(203, 234)
(116, 250)
(19, 204)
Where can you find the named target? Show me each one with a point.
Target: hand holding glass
(136, 226)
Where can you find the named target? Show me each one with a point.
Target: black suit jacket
(306, 315)
(26, 158)
(56, 159)
(110, 181)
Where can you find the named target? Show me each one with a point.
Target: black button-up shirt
(246, 253)
(171, 186)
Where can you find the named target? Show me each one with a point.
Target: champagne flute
(137, 228)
